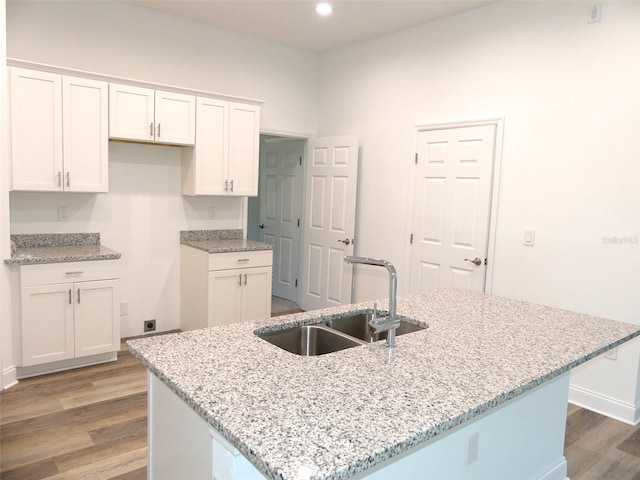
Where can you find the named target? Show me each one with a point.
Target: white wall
(144, 210)
(571, 158)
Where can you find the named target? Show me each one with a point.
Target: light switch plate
(529, 237)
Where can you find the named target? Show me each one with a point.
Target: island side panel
(523, 438)
(179, 440)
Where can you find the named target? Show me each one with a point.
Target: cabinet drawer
(254, 258)
(50, 273)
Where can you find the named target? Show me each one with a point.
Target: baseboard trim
(555, 472)
(610, 407)
(9, 377)
(62, 365)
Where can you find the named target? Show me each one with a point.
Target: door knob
(346, 241)
(261, 225)
(475, 261)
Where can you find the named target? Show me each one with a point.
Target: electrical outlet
(149, 325)
(124, 308)
(595, 13)
(63, 214)
(473, 445)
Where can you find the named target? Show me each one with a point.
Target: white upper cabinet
(59, 132)
(225, 158)
(244, 148)
(85, 127)
(147, 115)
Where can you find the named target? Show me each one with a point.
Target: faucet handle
(375, 310)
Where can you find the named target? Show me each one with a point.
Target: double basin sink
(332, 335)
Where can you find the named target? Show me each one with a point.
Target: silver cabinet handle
(77, 272)
(158, 130)
(78, 295)
(345, 241)
(59, 179)
(240, 279)
(69, 296)
(232, 185)
(151, 129)
(68, 180)
(245, 278)
(244, 259)
(226, 185)
(475, 261)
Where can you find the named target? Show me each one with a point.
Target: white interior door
(329, 225)
(281, 210)
(452, 198)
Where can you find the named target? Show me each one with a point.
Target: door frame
(245, 221)
(498, 123)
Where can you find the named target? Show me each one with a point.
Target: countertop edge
(403, 446)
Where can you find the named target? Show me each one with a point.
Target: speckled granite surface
(203, 235)
(220, 241)
(29, 249)
(341, 413)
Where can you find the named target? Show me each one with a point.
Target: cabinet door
(225, 297)
(47, 323)
(131, 112)
(256, 293)
(175, 118)
(36, 130)
(85, 118)
(244, 141)
(97, 317)
(205, 166)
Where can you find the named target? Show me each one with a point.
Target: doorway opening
(275, 215)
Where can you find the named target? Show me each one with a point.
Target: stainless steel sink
(310, 340)
(358, 326)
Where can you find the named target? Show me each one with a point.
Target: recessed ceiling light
(324, 9)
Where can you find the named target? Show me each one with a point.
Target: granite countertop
(338, 414)
(223, 246)
(220, 241)
(58, 248)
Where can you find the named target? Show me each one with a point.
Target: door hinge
(411, 238)
(416, 158)
(296, 283)
(485, 261)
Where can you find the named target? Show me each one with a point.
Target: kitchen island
(480, 393)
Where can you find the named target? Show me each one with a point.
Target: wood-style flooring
(91, 423)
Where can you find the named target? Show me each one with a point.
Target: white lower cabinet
(69, 311)
(222, 288)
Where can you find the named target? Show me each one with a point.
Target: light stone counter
(29, 249)
(339, 414)
(220, 241)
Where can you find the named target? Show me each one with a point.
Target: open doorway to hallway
(275, 215)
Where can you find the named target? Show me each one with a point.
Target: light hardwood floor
(91, 423)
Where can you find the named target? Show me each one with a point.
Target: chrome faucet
(390, 323)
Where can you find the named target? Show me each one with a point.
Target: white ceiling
(295, 23)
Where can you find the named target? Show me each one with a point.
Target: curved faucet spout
(390, 323)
